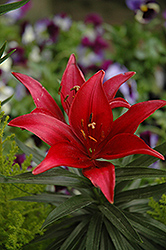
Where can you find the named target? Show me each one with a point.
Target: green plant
(19, 221)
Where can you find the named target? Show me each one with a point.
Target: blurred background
(112, 11)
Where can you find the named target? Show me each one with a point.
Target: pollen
(144, 8)
(83, 133)
(76, 88)
(92, 125)
(65, 99)
(92, 138)
(82, 123)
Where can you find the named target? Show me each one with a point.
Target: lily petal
(41, 97)
(46, 127)
(125, 144)
(63, 154)
(112, 85)
(129, 121)
(72, 79)
(90, 105)
(102, 176)
(119, 102)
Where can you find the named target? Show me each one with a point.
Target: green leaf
(57, 176)
(148, 227)
(120, 221)
(6, 100)
(76, 236)
(38, 155)
(58, 229)
(131, 173)
(2, 59)
(106, 242)
(94, 232)
(2, 49)
(147, 160)
(140, 193)
(115, 235)
(4, 8)
(54, 198)
(71, 205)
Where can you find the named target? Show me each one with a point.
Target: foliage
(19, 222)
(86, 220)
(158, 209)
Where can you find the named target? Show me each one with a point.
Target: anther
(92, 138)
(65, 99)
(82, 123)
(83, 133)
(92, 125)
(76, 88)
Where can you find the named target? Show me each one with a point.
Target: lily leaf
(2, 59)
(2, 49)
(37, 154)
(71, 205)
(94, 232)
(148, 228)
(140, 193)
(4, 8)
(76, 236)
(147, 160)
(6, 100)
(131, 173)
(116, 236)
(58, 176)
(120, 221)
(45, 197)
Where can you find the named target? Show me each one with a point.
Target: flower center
(143, 8)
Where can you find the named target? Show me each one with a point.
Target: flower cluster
(91, 135)
(91, 51)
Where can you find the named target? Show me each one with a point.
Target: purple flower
(46, 31)
(129, 88)
(144, 10)
(18, 57)
(20, 158)
(94, 19)
(88, 60)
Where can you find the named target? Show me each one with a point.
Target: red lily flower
(73, 79)
(91, 134)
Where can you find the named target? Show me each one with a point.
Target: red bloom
(91, 134)
(73, 79)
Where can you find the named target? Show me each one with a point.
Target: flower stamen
(76, 88)
(92, 138)
(65, 99)
(92, 125)
(82, 123)
(83, 133)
